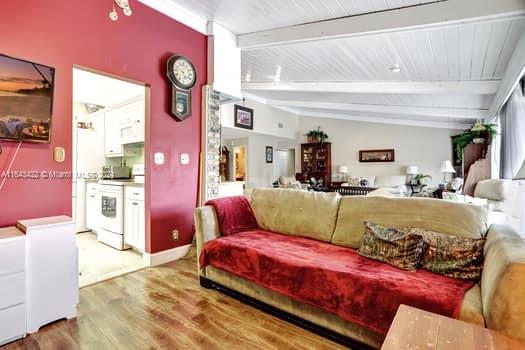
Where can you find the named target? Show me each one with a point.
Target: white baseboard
(166, 255)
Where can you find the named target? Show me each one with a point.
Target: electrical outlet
(175, 235)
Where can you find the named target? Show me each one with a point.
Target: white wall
(260, 173)
(424, 147)
(266, 120)
(271, 127)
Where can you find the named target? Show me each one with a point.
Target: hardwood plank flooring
(164, 307)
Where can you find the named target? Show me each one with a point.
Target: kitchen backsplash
(133, 154)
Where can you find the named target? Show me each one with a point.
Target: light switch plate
(159, 158)
(185, 159)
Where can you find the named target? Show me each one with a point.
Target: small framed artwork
(269, 154)
(377, 156)
(243, 117)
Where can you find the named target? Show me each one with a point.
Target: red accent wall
(63, 33)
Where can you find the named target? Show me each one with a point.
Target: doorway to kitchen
(109, 118)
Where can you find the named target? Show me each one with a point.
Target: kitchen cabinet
(134, 218)
(92, 206)
(112, 144)
(131, 128)
(124, 124)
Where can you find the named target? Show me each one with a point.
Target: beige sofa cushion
(431, 214)
(390, 180)
(495, 190)
(503, 281)
(297, 213)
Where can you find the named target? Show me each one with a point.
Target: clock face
(181, 72)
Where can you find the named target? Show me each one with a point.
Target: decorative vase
(478, 140)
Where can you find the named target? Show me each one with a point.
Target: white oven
(111, 225)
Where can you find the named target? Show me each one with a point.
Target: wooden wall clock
(183, 76)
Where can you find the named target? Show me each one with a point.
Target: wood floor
(165, 308)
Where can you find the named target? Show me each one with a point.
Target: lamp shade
(521, 173)
(342, 169)
(446, 167)
(412, 170)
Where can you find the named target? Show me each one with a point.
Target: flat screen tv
(26, 100)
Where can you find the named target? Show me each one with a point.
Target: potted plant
(479, 133)
(421, 179)
(311, 136)
(316, 136)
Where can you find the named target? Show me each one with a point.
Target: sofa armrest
(206, 228)
(503, 281)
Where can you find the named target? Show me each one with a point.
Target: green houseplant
(316, 136)
(479, 133)
(420, 179)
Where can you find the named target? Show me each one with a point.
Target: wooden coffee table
(417, 329)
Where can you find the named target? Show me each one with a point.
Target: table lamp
(412, 171)
(446, 168)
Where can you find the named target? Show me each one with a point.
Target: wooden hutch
(316, 162)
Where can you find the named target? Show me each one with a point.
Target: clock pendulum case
(182, 76)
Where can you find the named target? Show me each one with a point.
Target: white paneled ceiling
(247, 16)
(433, 63)
(477, 51)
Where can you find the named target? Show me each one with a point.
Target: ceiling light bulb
(127, 11)
(113, 15)
(395, 69)
(122, 3)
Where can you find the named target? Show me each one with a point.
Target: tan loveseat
(499, 302)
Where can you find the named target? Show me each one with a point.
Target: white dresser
(51, 270)
(12, 285)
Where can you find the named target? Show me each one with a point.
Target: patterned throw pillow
(392, 246)
(452, 256)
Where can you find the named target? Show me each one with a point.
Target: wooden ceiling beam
(478, 87)
(436, 112)
(450, 12)
(379, 118)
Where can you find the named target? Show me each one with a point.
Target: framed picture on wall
(243, 117)
(377, 156)
(269, 154)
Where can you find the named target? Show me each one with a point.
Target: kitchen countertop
(121, 182)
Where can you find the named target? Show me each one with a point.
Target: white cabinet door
(132, 122)
(141, 226)
(130, 232)
(92, 206)
(134, 219)
(112, 142)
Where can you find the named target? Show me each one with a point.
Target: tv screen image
(26, 100)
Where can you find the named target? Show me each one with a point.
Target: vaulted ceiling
(248, 16)
(429, 63)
